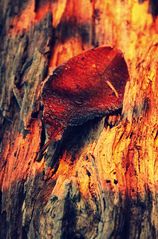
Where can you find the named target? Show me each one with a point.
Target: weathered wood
(100, 179)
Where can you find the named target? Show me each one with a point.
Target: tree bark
(100, 181)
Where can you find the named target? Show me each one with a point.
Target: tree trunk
(100, 181)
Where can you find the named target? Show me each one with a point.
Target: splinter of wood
(89, 85)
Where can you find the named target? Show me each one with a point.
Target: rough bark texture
(100, 181)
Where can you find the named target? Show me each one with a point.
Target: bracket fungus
(88, 85)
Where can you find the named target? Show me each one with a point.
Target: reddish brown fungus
(89, 85)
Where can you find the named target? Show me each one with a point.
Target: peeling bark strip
(87, 86)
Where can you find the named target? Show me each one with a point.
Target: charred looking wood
(15, 7)
(153, 8)
(38, 4)
(71, 28)
(75, 138)
(146, 105)
(69, 218)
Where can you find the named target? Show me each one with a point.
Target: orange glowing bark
(100, 179)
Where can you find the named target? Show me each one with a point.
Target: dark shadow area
(75, 138)
(73, 141)
(153, 7)
(72, 28)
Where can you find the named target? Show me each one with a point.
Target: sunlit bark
(101, 180)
